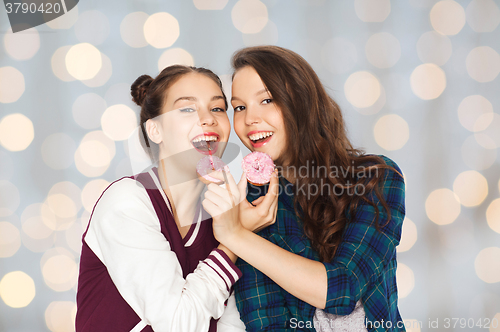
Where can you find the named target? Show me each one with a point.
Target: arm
(361, 257)
(125, 234)
(230, 320)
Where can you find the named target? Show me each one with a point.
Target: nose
(206, 118)
(252, 116)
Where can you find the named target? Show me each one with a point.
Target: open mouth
(206, 143)
(258, 139)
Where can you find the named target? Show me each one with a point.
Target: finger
(242, 186)
(258, 200)
(233, 187)
(222, 192)
(214, 198)
(272, 192)
(210, 207)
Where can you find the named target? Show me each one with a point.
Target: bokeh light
(493, 215)
(92, 191)
(175, 56)
(132, 29)
(487, 265)
(487, 129)
(210, 4)
(103, 75)
(471, 188)
(447, 17)
(11, 85)
(65, 21)
(16, 132)
(73, 237)
(471, 108)
(476, 156)
(405, 280)
(483, 64)
(92, 27)
(161, 30)
(267, 36)
(428, 81)
(58, 64)
(483, 15)
(442, 206)
(10, 239)
(94, 154)
(58, 150)
(9, 198)
(408, 236)
(60, 272)
(37, 236)
(64, 200)
(339, 55)
(362, 89)
(118, 122)
(17, 289)
(383, 50)
(372, 10)
(391, 132)
(433, 47)
(88, 109)
(22, 45)
(60, 316)
(249, 16)
(83, 61)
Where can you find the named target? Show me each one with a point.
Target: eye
(239, 108)
(187, 110)
(267, 101)
(218, 109)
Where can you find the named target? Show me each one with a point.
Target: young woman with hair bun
(327, 260)
(150, 261)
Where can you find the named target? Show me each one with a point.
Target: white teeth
(205, 138)
(257, 136)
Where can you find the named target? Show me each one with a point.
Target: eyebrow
(214, 98)
(256, 94)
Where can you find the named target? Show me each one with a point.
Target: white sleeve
(230, 320)
(125, 235)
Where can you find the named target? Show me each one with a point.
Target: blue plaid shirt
(364, 266)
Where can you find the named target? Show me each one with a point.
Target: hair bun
(140, 88)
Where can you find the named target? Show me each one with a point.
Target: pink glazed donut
(207, 165)
(258, 167)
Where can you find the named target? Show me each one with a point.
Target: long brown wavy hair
(316, 135)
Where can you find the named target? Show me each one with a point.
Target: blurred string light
(471, 188)
(60, 316)
(442, 206)
(94, 154)
(471, 109)
(9, 198)
(210, 4)
(11, 85)
(433, 47)
(175, 56)
(59, 269)
(132, 29)
(483, 64)
(493, 215)
(483, 15)
(22, 45)
(428, 81)
(83, 61)
(362, 89)
(487, 265)
(476, 156)
(10, 239)
(405, 280)
(17, 289)
(408, 236)
(372, 10)
(249, 16)
(118, 122)
(487, 131)
(447, 17)
(58, 64)
(161, 30)
(391, 132)
(37, 236)
(91, 193)
(16, 132)
(383, 50)
(103, 75)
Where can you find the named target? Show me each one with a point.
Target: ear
(154, 131)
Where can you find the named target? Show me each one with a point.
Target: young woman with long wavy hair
(327, 258)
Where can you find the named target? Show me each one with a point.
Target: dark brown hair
(151, 94)
(316, 134)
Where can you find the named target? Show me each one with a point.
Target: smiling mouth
(206, 144)
(259, 139)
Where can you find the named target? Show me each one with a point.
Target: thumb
(242, 186)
